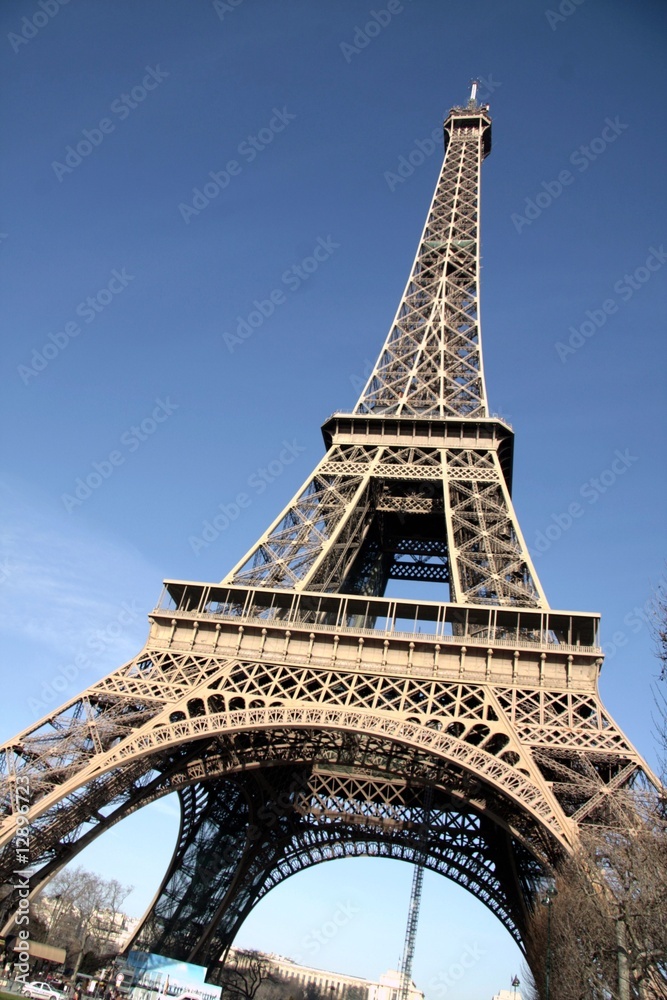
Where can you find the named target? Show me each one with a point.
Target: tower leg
(229, 834)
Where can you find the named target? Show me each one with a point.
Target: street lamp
(515, 982)
(547, 900)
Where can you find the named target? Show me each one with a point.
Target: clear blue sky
(79, 578)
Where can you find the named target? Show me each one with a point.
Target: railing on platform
(522, 626)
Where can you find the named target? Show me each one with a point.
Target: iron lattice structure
(300, 714)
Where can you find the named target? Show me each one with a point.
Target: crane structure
(420, 860)
(411, 931)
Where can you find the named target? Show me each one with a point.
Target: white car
(42, 991)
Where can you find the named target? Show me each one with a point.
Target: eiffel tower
(299, 714)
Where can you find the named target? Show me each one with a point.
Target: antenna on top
(472, 103)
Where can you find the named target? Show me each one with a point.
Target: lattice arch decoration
(334, 750)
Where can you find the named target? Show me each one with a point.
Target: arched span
(259, 829)
(266, 751)
(520, 781)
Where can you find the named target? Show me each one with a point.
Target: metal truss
(530, 760)
(303, 716)
(431, 363)
(370, 513)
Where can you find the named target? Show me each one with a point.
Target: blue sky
(140, 302)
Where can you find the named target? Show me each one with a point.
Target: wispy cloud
(67, 595)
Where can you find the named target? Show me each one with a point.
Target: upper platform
(473, 116)
(491, 433)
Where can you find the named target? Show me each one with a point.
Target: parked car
(42, 991)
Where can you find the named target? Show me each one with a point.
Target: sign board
(159, 974)
(45, 951)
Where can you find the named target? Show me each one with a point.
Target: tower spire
(431, 362)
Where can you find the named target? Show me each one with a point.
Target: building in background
(512, 994)
(106, 930)
(389, 988)
(336, 985)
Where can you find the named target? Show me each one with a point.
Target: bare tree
(659, 633)
(244, 972)
(574, 938)
(659, 628)
(81, 910)
(604, 935)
